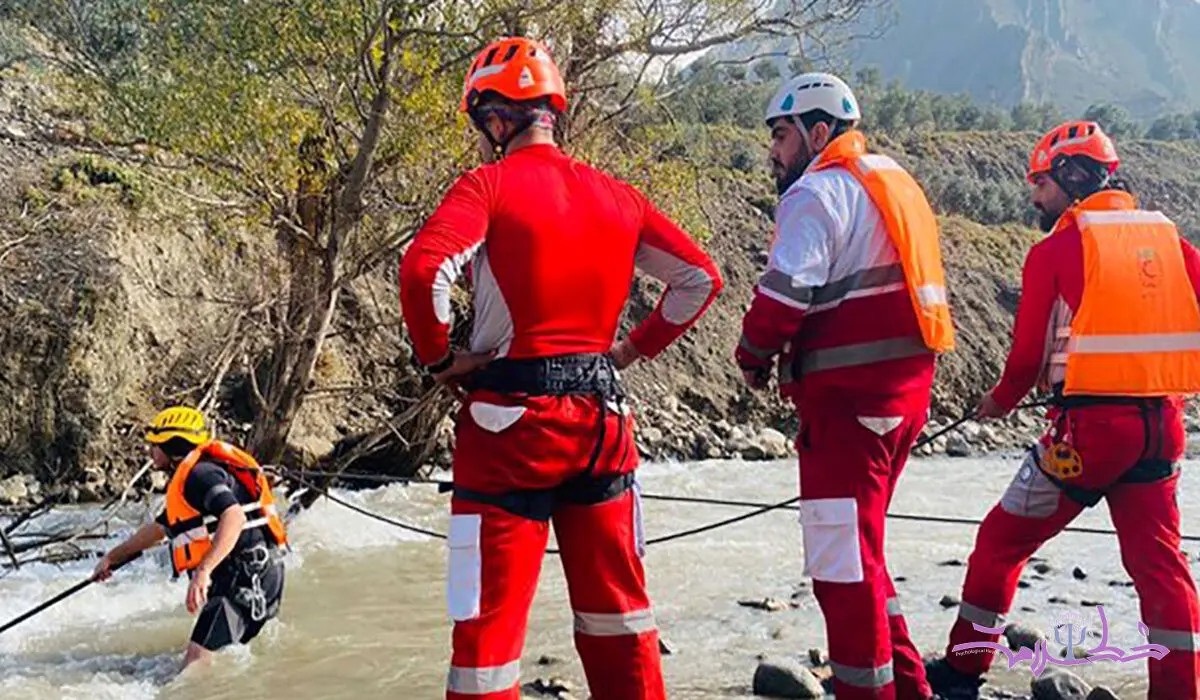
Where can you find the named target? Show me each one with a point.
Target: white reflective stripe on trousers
(1176, 640)
(614, 624)
(878, 677)
(893, 607)
(980, 616)
(484, 680)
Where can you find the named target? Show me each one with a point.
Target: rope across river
(758, 507)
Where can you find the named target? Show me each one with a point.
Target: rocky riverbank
(102, 328)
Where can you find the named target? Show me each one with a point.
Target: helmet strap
(523, 119)
(1089, 182)
(808, 142)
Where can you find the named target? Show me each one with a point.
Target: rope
(895, 516)
(760, 508)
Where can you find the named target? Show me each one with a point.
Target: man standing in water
(543, 434)
(224, 532)
(853, 308)
(1108, 322)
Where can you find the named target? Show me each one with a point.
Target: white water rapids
(364, 609)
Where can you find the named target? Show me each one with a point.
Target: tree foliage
(334, 121)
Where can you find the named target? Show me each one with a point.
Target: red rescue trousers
(495, 556)
(1110, 440)
(850, 464)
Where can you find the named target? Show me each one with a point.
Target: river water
(364, 611)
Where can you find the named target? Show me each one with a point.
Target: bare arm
(229, 527)
(147, 536)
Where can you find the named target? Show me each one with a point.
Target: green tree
(1115, 121)
(766, 70)
(1173, 127)
(335, 119)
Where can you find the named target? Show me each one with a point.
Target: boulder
(1020, 636)
(1079, 573)
(13, 490)
(158, 480)
(785, 678)
(773, 442)
(1102, 693)
(949, 601)
(1057, 684)
(957, 446)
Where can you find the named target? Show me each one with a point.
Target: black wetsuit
(230, 614)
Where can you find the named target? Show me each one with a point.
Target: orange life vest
(190, 532)
(911, 225)
(1137, 329)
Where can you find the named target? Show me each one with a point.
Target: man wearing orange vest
(853, 309)
(224, 532)
(1108, 322)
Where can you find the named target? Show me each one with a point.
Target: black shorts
(225, 620)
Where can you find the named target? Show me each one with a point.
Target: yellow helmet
(178, 422)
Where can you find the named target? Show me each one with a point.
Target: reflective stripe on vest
(190, 532)
(861, 354)
(1137, 329)
(209, 526)
(911, 225)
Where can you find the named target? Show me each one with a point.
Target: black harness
(1150, 468)
(584, 374)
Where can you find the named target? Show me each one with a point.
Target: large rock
(785, 678)
(13, 490)
(1019, 636)
(957, 446)
(1102, 693)
(772, 443)
(1057, 684)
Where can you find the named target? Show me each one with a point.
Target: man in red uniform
(543, 433)
(853, 305)
(1109, 322)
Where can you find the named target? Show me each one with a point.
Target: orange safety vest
(190, 532)
(911, 225)
(1137, 329)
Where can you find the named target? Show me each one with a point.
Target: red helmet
(1076, 138)
(516, 68)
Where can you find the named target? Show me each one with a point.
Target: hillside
(112, 284)
(1141, 55)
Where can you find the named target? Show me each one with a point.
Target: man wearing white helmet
(852, 310)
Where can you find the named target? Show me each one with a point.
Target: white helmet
(810, 91)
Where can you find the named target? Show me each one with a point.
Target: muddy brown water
(364, 609)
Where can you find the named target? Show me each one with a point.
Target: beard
(1047, 220)
(790, 173)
